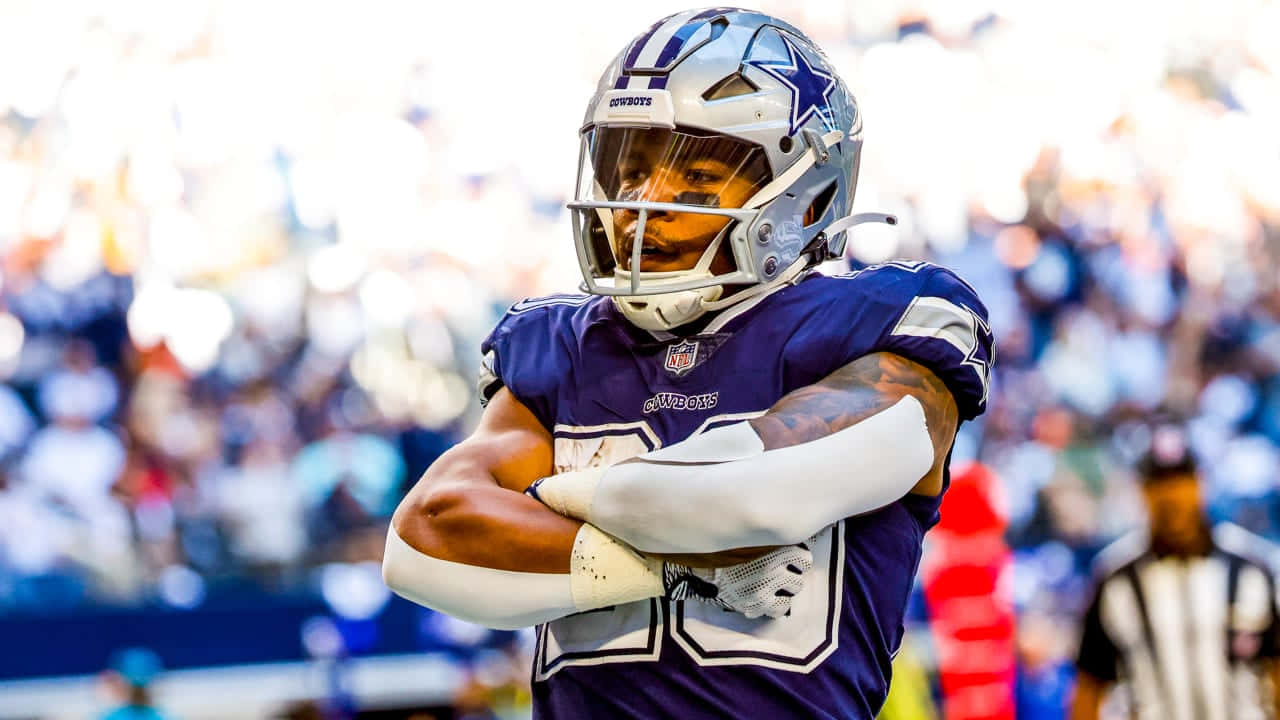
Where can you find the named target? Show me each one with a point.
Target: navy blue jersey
(609, 391)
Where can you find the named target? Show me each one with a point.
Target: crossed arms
(470, 508)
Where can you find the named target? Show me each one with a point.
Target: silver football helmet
(730, 115)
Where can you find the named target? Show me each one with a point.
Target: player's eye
(632, 176)
(701, 176)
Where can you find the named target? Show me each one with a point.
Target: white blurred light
(355, 592)
(241, 192)
(429, 341)
(1260, 37)
(1069, 369)
(152, 178)
(181, 587)
(199, 322)
(874, 243)
(92, 114)
(1228, 399)
(78, 256)
(154, 518)
(459, 632)
(1056, 561)
(443, 285)
(314, 192)
(1248, 466)
(12, 336)
(192, 322)
(334, 268)
(1049, 275)
(32, 87)
(176, 241)
(271, 298)
(1005, 203)
(209, 124)
(47, 210)
(15, 184)
(148, 315)
(439, 399)
(1139, 367)
(334, 325)
(387, 299)
(1205, 266)
(404, 388)
(321, 637)
(381, 165)
(943, 218)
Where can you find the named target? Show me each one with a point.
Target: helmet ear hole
(732, 85)
(819, 206)
(601, 248)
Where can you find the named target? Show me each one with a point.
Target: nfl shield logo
(681, 357)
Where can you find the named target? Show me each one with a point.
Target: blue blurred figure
(131, 672)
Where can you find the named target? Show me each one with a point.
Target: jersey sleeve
(1098, 655)
(522, 354)
(944, 327)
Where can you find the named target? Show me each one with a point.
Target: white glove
(763, 586)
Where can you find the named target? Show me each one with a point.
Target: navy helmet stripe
(677, 41)
(634, 53)
(640, 42)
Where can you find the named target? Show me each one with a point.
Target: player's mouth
(655, 256)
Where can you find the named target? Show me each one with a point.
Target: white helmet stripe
(658, 40)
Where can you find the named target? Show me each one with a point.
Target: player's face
(648, 171)
(1173, 506)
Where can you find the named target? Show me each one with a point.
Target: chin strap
(824, 250)
(849, 221)
(657, 302)
(785, 277)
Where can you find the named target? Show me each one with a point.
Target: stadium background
(249, 250)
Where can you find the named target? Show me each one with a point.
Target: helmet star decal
(810, 87)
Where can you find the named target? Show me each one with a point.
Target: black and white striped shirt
(1186, 636)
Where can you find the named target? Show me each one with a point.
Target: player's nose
(631, 216)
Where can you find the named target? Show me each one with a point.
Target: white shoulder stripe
(956, 325)
(487, 381)
(563, 299)
(939, 318)
(912, 266)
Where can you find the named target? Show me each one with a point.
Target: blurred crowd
(246, 266)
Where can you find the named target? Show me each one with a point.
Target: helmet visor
(658, 198)
(681, 166)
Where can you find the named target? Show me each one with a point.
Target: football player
(707, 480)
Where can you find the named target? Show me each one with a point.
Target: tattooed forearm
(855, 392)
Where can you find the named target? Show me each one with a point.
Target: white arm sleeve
(602, 572)
(722, 490)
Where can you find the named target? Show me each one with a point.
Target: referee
(1184, 619)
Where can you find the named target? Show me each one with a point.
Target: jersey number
(711, 636)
